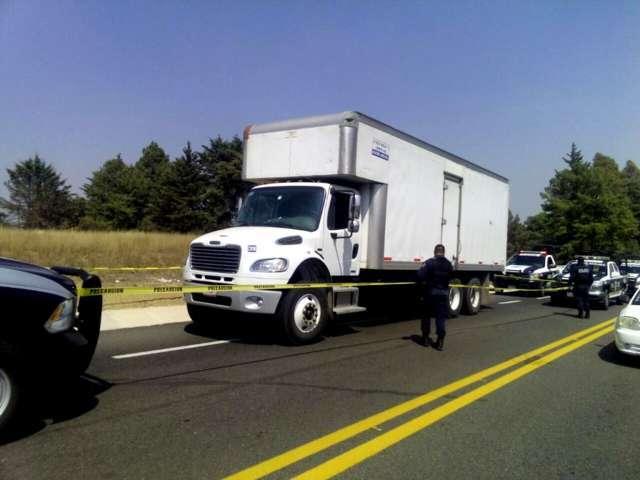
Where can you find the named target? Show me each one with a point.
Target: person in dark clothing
(435, 273)
(580, 279)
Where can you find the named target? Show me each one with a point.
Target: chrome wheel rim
(454, 299)
(5, 391)
(474, 296)
(307, 313)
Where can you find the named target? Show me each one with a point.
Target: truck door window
(339, 211)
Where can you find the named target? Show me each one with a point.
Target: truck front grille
(215, 259)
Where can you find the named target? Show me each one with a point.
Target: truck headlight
(62, 317)
(270, 265)
(632, 323)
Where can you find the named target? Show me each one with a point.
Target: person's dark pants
(582, 300)
(438, 307)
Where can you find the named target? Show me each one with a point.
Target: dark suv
(46, 331)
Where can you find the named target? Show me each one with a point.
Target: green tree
(38, 196)
(179, 203)
(148, 171)
(222, 166)
(585, 208)
(111, 200)
(517, 235)
(631, 176)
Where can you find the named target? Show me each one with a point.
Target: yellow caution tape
(90, 292)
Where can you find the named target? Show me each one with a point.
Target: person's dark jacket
(436, 273)
(581, 277)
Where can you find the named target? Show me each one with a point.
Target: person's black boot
(440, 343)
(580, 314)
(425, 341)
(588, 314)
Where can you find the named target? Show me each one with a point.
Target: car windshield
(599, 271)
(530, 260)
(630, 269)
(285, 207)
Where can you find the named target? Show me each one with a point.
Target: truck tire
(455, 298)
(303, 313)
(10, 393)
(201, 315)
(471, 297)
(90, 314)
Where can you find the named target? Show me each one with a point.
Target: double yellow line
(372, 447)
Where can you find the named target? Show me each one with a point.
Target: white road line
(543, 298)
(172, 349)
(509, 301)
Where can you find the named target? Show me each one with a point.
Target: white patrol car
(631, 268)
(526, 269)
(608, 282)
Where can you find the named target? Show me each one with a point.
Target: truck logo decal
(380, 149)
(252, 248)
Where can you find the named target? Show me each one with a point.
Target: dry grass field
(91, 250)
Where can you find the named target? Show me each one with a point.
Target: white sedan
(627, 331)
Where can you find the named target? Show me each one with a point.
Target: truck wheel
(304, 313)
(10, 392)
(471, 297)
(455, 298)
(198, 314)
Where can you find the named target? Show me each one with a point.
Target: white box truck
(346, 198)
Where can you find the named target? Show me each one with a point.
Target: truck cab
(285, 233)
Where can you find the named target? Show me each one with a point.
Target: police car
(526, 269)
(609, 284)
(631, 268)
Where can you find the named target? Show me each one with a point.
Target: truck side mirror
(354, 208)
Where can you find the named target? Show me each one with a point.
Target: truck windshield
(285, 207)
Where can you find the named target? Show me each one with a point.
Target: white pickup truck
(346, 198)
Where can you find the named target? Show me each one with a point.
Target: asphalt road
(220, 408)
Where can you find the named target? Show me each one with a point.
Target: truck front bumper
(254, 301)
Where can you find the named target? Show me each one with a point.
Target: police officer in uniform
(435, 273)
(581, 278)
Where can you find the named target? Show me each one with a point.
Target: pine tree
(148, 170)
(38, 196)
(222, 166)
(111, 201)
(179, 204)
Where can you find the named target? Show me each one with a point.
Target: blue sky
(508, 85)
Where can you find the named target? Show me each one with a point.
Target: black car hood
(11, 264)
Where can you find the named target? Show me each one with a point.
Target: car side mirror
(354, 226)
(354, 207)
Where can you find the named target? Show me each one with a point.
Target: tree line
(194, 192)
(588, 207)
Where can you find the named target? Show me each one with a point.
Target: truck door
(341, 247)
(450, 229)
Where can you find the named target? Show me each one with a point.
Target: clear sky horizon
(507, 85)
